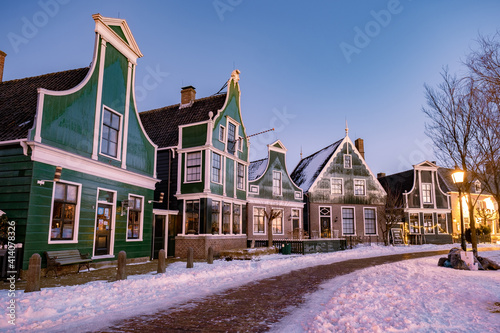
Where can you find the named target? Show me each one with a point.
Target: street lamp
(458, 178)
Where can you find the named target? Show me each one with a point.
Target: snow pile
(96, 304)
(410, 296)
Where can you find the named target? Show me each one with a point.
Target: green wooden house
(85, 124)
(343, 197)
(273, 195)
(203, 164)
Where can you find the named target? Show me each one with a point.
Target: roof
(162, 125)
(18, 100)
(399, 182)
(257, 169)
(309, 168)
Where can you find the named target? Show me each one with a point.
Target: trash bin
(287, 248)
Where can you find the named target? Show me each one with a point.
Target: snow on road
(414, 295)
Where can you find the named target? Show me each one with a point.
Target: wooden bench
(66, 257)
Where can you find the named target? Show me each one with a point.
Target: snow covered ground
(413, 295)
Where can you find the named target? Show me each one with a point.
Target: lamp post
(458, 178)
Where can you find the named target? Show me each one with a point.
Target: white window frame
(212, 169)
(298, 195)
(282, 221)
(299, 217)
(341, 186)
(254, 189)
(445, 223)
(353, 220)
(236, 130)
(77, 214)
(120, 133)
(220, 216)
(376, 222)
(347, 161)
(432, 226)
(240, 144)
(280, 185)
(222, 134)
(253, 221)
(238, 177)
(410, 226)
(364, 186)
(141, 222)
(329, 216)
(186, 167)
(477, 187)
(427, 190)
(240, 224)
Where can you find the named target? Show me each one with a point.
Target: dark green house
(202, 163)
(273, 195)
(343, 197)
(85, 123)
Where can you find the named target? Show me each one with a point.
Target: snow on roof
(309, 168)
(257, 169)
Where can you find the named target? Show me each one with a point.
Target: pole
(462, 228)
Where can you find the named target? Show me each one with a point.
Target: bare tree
(393, 214)
(275, 213)
(451, 109)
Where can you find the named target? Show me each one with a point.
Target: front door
(159, 234)
(173, 230)
(103, 229)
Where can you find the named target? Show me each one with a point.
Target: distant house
(203, 164)
(343, 198)
(84, 124)
(272, 194)
(426, 202)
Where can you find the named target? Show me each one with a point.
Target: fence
(297, 246)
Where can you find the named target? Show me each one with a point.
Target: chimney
(188, 95)
(380, 174)
(2, 61)
(360, 146)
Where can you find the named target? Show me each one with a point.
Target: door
(159, 234)
(103, 229)
(173, 230)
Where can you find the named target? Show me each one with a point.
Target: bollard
(161, 261)
(33, 276)
(253, 244)
(210, 257)
(121, 273)
(190, 257)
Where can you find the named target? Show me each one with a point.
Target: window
(215, 216)
(348, 221)
(441, 224)
(298, 195)
(325, 221)
(226, 218)
(193, 167)
(276, 183)
(64, 214)
(258, 220)
(236, 219)
(222, 133)
(295, 219)
(241, 177)
(427, 192)
(134, 218)
(347, 161)
(110, 133)
(370, 221)
(192, 216)
(277, 221)
(240, 143)
(337, 185)
(216, 168)
(231, 137)
(428, 224)
(359, 187)
(414, 223)
(477, 186)
(254, 189)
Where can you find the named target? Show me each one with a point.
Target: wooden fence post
(190, 257)
(161, 261)
(210, 257)
(33, 278)
(121, 273)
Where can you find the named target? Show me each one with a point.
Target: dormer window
(477, 186)
(347, 161)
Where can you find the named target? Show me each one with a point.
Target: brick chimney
(188, 95)
(360, 146)
(2, 61)
(380, 174)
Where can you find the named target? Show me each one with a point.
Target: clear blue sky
(306, 66)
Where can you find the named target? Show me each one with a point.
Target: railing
(297, 246)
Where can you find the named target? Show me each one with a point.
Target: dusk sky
(306, 67)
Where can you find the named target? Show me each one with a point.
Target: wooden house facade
(77, 168)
